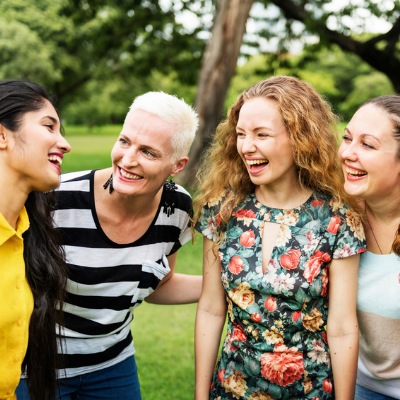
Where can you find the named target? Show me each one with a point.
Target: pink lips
(354, 177)
(60, 155)
(126, 179)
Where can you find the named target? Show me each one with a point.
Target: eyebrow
(257, 129)
(363, 135)
(51, 118)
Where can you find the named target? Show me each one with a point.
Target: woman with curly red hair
(278, 238)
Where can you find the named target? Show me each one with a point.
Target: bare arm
(342, 328)
(176, 288)
(210, 319)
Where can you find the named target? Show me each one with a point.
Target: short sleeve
(208, 223)
(350, 237)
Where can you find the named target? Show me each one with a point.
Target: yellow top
(16, 304)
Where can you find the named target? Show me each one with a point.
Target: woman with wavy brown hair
(370, 155)
(278, 238)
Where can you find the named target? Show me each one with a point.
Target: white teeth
(57, 159)
(129, 176)
(354, 172)
(254, 162)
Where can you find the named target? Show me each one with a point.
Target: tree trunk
(218, 67)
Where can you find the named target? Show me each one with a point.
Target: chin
(354, 191)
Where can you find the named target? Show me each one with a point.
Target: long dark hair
(45, 266)
(390, 104)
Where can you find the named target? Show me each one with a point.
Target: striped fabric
(107, 281)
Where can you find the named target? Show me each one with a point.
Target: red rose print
(221, 374)
(334, 225)
(313, 265)
(218, 219)
(236, 265)
(327, 385)
(247, 239)
(238, 335)
(244, 214)
(296, 316)
(325, 336)
(212, 385)
(325, 280)
(315, 398)
(317, 203)
(256, 317)
(270, 304)
(290, 259)
(282, 367)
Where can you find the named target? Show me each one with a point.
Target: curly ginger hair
(311, 126)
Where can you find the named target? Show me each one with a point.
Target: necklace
(370, 227)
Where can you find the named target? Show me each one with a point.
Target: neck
(124, 206)
(286, 195)
(385, 209)
(12, 199)
(381, 224)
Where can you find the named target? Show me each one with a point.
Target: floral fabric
(276, 345)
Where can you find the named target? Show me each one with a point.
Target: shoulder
(75, 176)
(76, 181)
(178, 195)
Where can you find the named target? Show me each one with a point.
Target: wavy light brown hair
(311, 126)
(390, 105)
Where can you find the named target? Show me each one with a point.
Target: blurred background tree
(97, 55)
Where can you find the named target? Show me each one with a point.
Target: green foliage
(345, 81)
(366, 87)
(96, 55)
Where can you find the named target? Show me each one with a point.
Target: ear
(179, 165)
(3, 137)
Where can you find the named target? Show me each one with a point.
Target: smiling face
(369, 155)
(36, 150)
(263, 143)
(142, 154)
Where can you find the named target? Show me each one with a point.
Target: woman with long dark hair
(370, 155)
(33, 273)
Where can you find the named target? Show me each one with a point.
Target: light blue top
(378, 309)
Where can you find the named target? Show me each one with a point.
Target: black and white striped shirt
(107, 281)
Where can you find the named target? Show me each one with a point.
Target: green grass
(88, 152)
(164, 340)
(84, 130)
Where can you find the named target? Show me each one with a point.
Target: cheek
(116, 153)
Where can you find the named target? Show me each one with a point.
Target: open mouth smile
(355, 173)
(256, 166)
(55, 159)
(128, 176)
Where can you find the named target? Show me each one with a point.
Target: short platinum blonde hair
(171, 109)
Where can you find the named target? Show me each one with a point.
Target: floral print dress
(276, 345)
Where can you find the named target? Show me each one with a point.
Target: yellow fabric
(16, 304)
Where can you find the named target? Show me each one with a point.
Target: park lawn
(164, 339)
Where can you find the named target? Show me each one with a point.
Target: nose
(347, 151)
(130, 158)
(63, 145)
(248, 145)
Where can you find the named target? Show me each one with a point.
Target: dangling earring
(169, 205)
(109, 183)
